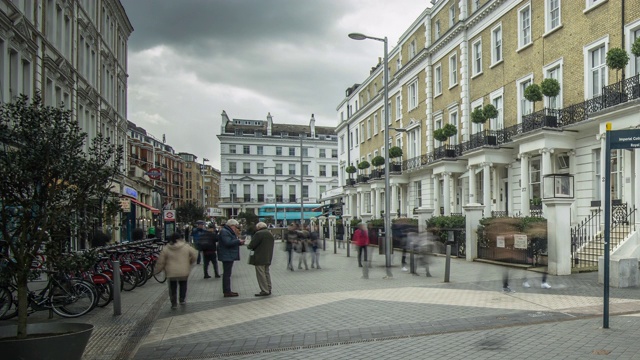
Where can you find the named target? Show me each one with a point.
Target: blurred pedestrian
(195, 236)
(424, 246)
(361, 240)
(228, 252)
(291, 238)
(315, 248)
(208, 243)
(301, 248)
(176, 259)
(261, 244)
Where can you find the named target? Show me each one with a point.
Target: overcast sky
(191, 59)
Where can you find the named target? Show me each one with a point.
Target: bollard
(447, 264)
(117, 310)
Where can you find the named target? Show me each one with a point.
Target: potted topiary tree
(395, 152)
(443, 134)
(49, 190)
(617, 59)
(550, 88)
(350, 170)
(490, 112)
(635, 50)
(478, 116)
(363, 165)
(377, 161)
(533, 94)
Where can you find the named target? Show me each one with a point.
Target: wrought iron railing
(583, 234)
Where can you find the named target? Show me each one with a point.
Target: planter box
(51, 341)
(492, 140)
(450, 153)
(551, 121)
(351, 182)
(396, 167)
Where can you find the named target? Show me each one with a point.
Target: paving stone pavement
(333, 313)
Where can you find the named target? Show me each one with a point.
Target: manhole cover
(601, 352)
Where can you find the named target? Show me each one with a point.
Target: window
(278, 150)
(375, 123)
(634, 60)
(334, 170)
(477, 57)
(292, 151)
(323, 153)
(366, 199)
(232, 149)
(322, 189)
(341, 145)
(356, 137)
(524, 26)
(305, 152)
(292, 169)
(279, 192)
(362, 133)
(334, 153)
(323, 170)
(552, 14)
(525, 106)
(246, 168)
(554, 71)
(438, 125)
(233, 191)
(412, 49)
(232, 168)
(413, 143)
(417, 185)
(498, 122)
(305, 191)
(496, 44)
(453, 70)
(452, 14)
(260, 193)
(278, 169)
(398, 64)
(260, 168)
(413, 95)
(246, 149)
(260, 150)
(369, 129)
(596, 172)
(476, 4)
(534, 176)
(453, 120)
(437, 80)
(398, 107)
(305, 170)
(437, 30)
(246, 192)
(597, 70)
(292, 193)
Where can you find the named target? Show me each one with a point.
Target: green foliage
(490, 111)
(405, 221)
(478, 116)
(438, 225)
(377, 161)
(533, 93)
(444, 133)
(439, 135)
(534, 227)
(395, 152)
(363, 165)
(376, 223)
(355, 221)
(350, 169)
(635, 48)
(51, 188)
(189, 212)
(550, 87)
(617, 59)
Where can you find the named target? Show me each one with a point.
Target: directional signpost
(620, 139)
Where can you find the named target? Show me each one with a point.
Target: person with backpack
(195, 235)
(207, 243)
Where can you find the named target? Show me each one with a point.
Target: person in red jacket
(361, 240)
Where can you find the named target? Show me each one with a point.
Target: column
(508, 191)
(486, 188)
(446, 179)
(495, 188)
(375, 195)
(524, 184)
(473, 214)
(354, 205)
(436, 194)
(546, 161)
(394, 200)
(472, 184)
(559, 235)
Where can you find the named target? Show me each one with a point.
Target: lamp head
(357, 36)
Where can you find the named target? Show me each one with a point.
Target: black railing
(583, 237)
(499, 214)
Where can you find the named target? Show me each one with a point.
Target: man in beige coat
(262, 243)
(176, 260)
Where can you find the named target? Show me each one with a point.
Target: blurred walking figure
(315, 248)
(361, 240)
(207, 243)
(291, 238)
(176, 259)
(301, 248)
(424, 246)
(544, 284)
(262, 243)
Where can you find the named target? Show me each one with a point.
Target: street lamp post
(387, 192)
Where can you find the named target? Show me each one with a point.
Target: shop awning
(153, 210)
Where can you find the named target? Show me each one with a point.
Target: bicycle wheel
(129, 280)
(160, 277)
(104, 286)
(72, 299)
(141, 271)
(8, 304)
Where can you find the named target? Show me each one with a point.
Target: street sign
(125, 204)
(169, 215)
(154, 173)
(625, 139)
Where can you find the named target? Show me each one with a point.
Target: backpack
(207, 241)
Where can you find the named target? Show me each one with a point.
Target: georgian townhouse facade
(261, 163)
(74, 53)
(461, 55)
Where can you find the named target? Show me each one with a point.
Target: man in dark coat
(228, 252)
(209, 254)
(262, 243)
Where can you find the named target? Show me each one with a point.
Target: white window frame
(558, 64)
(413, 142)
(412, 99)
(453, 70)
(452, 14)
(498, 122)
(548, 15)
(398, 107)
(375, 123)
(475, 5)
(437, 80)
(398, 64)
(587, 52)
(437, 124)
(524, 30)
(412, 49)
(362, 133)
(476, 128)
(477, 57)
(631, 31)
(591, 4)
(522, 102)
(437, 29)
(453, 120)
(496, 45)
(369, 129)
